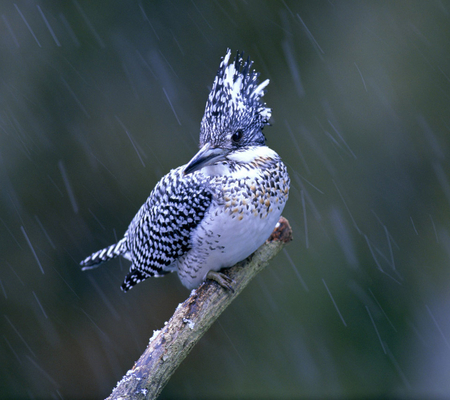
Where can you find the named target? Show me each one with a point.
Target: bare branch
(170, 346)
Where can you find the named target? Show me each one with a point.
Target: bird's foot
(221, 279)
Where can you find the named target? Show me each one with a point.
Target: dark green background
(92, 116)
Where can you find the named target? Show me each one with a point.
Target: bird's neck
(247, 161)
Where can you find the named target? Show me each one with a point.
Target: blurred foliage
(100, 99)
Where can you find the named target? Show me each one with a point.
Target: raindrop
(45, 232)
(43, 372)
(376, 330)
(32, 249)
(15, 273)
(171, 106)
(12, 349)
(360, 74)
(397, 367)
(49, 27)
(343, 237)
(437, 326)
(414, 226)
(70, 287)
(434, 229)
(68, 187)
(104, 298)
(6, 226)
(376, 261)
(40, 305)
(381, 308)
(146, 19)
(231, 342)
(293, 68)
(10, 30)
(297, 147)
(442, 178)
(3, 289)
(103, 334)
(20, 336)
(310, 36)
(75, 97)
(304, 218)
(342, 139)
(131, 139)
(295, 270)
(390, 248)
(335, 305)
(102, 226)
(89, 24)
(348, 210)
(28, 26)
(69, 30)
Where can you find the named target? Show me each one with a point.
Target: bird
(220, 207)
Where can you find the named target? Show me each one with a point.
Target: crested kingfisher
(222, 205)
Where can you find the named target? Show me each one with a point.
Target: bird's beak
(207, 155)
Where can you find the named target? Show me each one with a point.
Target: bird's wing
(161, 230)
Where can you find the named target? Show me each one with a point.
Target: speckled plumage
(220, 207)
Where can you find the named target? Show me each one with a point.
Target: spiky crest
(234, 101)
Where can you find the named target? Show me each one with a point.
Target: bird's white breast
(250, 194)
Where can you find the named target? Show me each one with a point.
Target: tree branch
(170, 346)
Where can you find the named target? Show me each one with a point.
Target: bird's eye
(237, 136)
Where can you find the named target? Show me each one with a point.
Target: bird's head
(234, 114)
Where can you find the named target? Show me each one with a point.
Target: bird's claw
(222, 279)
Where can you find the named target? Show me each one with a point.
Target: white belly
(249, 194)
(224, 238)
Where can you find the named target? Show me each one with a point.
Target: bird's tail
(113, 251)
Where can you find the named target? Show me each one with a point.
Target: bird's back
(161, 230)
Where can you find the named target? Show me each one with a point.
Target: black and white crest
(234, 102)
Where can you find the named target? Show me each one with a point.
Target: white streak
(32, 249)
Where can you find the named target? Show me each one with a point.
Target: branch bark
(170, 346)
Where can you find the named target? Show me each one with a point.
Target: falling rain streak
(20, 336)
(398, 369)
(304, 219)
(414, 226)
(3, 289)
(8, 26)
(97, 37)
(32, 249)
(45, 232)
(43, 372)
(75, 97)
(171, 106)
(362, 78)
(12, 350)
(434, 229)
(376, 330)
(390, 247)
(295, 270)
(382, 310)
(68, 187)
(342, 140)
(438, 327)
(348, 210)
(131, 140)
(40, 305)
(297, 146)
(27, 24)
(49, 27)
(335, 305)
